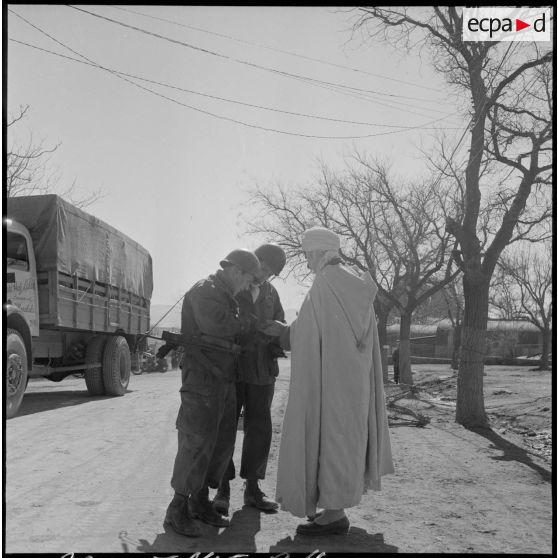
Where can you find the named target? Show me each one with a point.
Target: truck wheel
(94, 376)
(16, 371)
(116, 365)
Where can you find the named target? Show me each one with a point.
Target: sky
(176, 167)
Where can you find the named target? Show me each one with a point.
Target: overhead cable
(224, 99)
(197, 109)
(311, 81)
(259, 45)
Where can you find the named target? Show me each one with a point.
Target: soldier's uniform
(257, 370)
(206, 418)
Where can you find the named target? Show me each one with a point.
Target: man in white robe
(335, 441)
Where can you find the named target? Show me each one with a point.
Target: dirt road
(91, 475)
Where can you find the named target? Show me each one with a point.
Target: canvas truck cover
(72, 241)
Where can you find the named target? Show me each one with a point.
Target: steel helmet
(244, 259)
(273, 255)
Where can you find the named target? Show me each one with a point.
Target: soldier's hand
(165, 349)
(275, 351)
(272, 327)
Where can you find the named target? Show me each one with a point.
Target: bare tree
(409, 232)
(285, 215)
(523, 291)
(510, 136)
(28, 169)
(395, 232)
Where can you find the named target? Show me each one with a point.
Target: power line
(311, 81)
(190, 91)
(363, 96)
(197, 109)
(155, 82)
(259, 45)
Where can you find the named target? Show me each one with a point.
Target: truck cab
(21, 275)
(22, 311)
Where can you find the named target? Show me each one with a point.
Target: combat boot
(221, 501)
(253, 496)
(202, 509)
(178, 517)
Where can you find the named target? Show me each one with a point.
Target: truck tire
(94, 376)
(117, 363)
(16, 371)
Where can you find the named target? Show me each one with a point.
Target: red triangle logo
(519, 25)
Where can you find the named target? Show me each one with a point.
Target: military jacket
(209, 308)
(258, 362)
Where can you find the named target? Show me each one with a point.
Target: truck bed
(70, 302)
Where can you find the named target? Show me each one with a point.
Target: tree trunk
(470, 397)
(382, 335)
(543, 365)
(405, 373)
(456, 346)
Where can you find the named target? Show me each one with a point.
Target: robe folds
(335, 442)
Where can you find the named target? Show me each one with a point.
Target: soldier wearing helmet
(257, 370)
(206, 422)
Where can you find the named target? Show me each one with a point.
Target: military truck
(78, 297)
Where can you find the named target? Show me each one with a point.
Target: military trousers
(256, 400)
(206, 425)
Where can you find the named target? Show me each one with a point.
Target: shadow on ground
(39, 402)
(239, 536)
(357, 540)
(512, 452)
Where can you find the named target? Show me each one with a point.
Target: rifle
(195, 344)
(208, 342)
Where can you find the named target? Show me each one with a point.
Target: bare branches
(17, 117)
(399, 18)
(523, 286)
(507, 81)
(30, 172)
(511, 87)
(396, 231)
(27, 165)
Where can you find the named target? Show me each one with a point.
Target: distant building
(506, 339)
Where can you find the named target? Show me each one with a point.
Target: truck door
(21, 278)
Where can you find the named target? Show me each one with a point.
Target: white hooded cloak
(335, 441)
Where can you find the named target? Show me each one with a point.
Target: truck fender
(15, 320)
